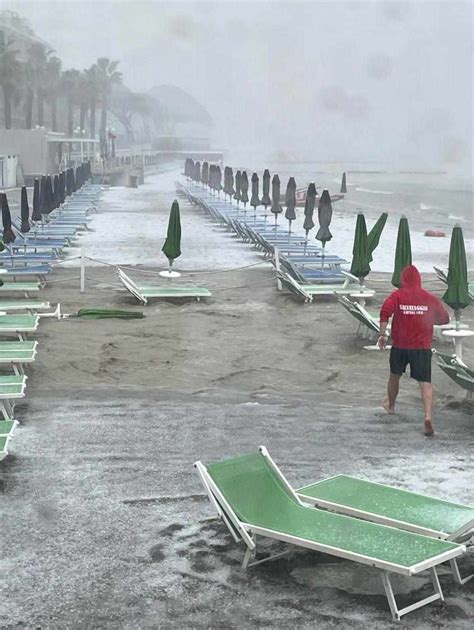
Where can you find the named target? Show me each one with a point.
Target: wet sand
(105, 523)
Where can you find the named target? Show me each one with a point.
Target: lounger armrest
(349, 275)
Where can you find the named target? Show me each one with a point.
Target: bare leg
(392, 392)
(426, 390)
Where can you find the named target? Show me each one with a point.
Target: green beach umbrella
(238, 181)
(373, 237)
(457, 293)
(244, 188)
(402, 251)
(171, 248)
(360, 252)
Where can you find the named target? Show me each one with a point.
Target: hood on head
(410, 278)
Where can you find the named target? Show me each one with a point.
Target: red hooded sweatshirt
(415, 312)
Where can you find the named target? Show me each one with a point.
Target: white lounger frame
(249, 532)
(130, 285)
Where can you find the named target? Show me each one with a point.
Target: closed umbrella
(244, 189)
(205, 173)
(238, 178)
(228, 182)
(36, 214)
(73, 181)
(360, 252)
(218, 180)
(191, 168)
(402, 251)
(309, 203)
(62, 186)
(197, 172)
(49, 195)
(266, 201)
(212, 177)
(8, 234)
(375, 233)
(276, 205)
(324, 217)
(25, 211)
(457, 294)
(56, 192)
(343, 184)
(290, 202)
(172, 246)
(254, 200)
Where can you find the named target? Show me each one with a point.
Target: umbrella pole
(305, 242)
(322, 256)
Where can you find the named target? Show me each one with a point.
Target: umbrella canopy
(191, 168)
(276, 205)
(62, 187)
(186, 167)
(73, 181)
(197, 172)
(218, 178)
(254, 201)
(36, 214)
(171, 248)
(238, 180)
(457, 293)
(56, 192)
(290, 199)
(43, 196)
(205, 173)
(402, 251)
(343, 184)
(244, 188)
(266, 201)
(324, 216)
(375, 233)
(360, 252)
(309, 208)
(25, 211)
(212, 176)
(228, 181)
(49, 195)
(8, 234)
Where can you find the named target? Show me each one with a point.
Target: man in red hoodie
(415, 312)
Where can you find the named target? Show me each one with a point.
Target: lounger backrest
(253, 489)
(130, 285)
(290, 268)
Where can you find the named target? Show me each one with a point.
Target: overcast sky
(370, 80)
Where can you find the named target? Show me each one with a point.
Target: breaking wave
(374, 192)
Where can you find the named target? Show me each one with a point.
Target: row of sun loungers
(392, 530)
(306, 264)
(23, 270)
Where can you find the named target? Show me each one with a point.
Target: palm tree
(93, 89)
(10, 73)
(69, 83)
(52, 83)
(107, 76)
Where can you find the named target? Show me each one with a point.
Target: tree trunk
(54, 115)
(40, 99)
(92, 127)
(7, 107)
(29, 109)
(103, 116)
(70, 120)
(82, 116)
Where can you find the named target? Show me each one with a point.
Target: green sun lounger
(18, 353)
(23, 305)
(20, 287)
(399, 508)
(457, 371)
(308, 291)
(254, 499)
(11, 388)
(144, 292)
(20, 324)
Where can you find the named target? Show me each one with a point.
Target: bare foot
(429, 432)
(386, 406)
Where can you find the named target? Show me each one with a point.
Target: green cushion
(156, 291)
(3, 445)
(391, 503)
(15, 305)
(19, 286)
(6, 427)
(259, 497)
(19, 322)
